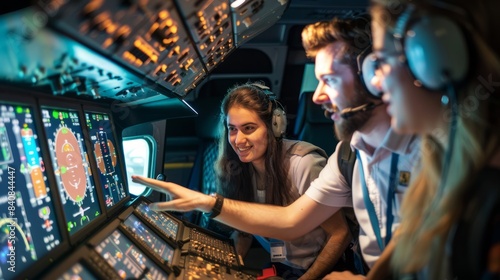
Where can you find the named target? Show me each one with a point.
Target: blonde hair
(429, 209)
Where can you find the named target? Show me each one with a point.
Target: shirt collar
(392, 141)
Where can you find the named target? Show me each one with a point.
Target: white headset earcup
(433, 46)
(279, 122)
(368, 72)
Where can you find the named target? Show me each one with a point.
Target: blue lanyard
(390, 196)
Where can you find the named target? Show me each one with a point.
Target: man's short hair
(355, 32)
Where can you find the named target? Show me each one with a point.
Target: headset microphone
(328, 114)
(349, 112)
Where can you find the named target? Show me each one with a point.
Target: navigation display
(151, 239)
(110, 172)
(128, 260)
(29, 228)
(75, 180)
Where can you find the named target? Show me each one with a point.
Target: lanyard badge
(278, 250)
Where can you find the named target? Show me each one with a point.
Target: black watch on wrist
(219, 200)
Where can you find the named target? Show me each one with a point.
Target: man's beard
(344, 128)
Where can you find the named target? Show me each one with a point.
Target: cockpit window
(139, 152)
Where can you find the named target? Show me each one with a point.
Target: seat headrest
(309, 112)
(208, 121)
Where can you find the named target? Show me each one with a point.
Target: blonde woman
(438, 65)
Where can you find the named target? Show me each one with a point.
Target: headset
(436, 52)
(366, 61)
(279, 120)
(435, 46)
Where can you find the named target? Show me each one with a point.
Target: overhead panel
(34, 55)
(210, 26)
(178, 66)
(253, 17)
(149, 37)
(127, 50)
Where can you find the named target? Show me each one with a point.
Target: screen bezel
(64, 246)
(120, 158)
(83, 233)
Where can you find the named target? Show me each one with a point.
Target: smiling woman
(247, 135)
(256, 163)
(249, 115)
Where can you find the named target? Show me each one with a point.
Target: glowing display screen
(169, 227)
(75, 181)
(29, 228)
(153, 241)
(128, 260)
(77, 272)
(103, 141)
